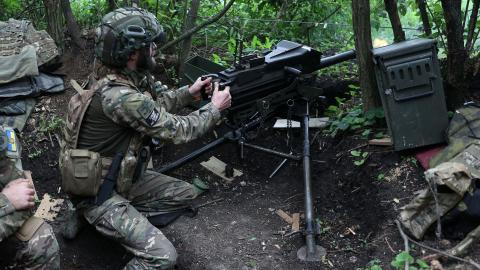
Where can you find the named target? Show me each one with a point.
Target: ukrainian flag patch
(11, 142)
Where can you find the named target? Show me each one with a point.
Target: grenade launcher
(259, 85)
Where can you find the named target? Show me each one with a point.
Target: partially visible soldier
(26, 242)
(123, 111)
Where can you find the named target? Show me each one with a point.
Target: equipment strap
(76, 86)
(109, 181)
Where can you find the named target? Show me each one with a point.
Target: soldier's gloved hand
(20, 193)
(221, 99)
(199, 84)
(159, 88)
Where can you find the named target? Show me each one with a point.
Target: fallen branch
(405, 241)
(389, 246)
(444, 253)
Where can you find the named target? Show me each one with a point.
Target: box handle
(412, 96)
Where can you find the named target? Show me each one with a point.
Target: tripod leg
(310, 252)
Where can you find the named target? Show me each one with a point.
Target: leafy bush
(372, 265)
(349, 115)
(403, 257)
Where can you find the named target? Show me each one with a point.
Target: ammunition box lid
(403, 48)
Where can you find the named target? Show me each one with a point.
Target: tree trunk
(55, 21)
(471, 26)
(112, 5)
(363, 46)
(72, 25)
(187, 42)
(391, 7)
(456, 54)
(422, 7)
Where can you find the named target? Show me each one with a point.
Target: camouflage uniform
(121, 115)
(463, 130)
(37, 251)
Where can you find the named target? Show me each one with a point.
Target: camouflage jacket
(130, 111)
(10, 220)
(155, 118)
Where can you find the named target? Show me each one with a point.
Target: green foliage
(88, 12)
(260, 24)
(9, 9)
(403, 257)
(172, 74)
(359, 157)
(50, 124)
(372, 265)
(35, 153)
(343, 70)
(324, 25)
(349, 115)
(251, 264)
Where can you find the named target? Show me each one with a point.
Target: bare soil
(356, 210)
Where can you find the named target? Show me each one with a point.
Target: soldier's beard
(146, 61)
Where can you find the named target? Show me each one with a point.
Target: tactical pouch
(81, 172)
(29, 228)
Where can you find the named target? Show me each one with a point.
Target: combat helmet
(124, 31)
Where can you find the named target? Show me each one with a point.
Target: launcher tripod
(311, 251)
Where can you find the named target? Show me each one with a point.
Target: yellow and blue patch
(11, 141)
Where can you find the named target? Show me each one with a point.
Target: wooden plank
(313, 123)
(218, 167)
(381, 142)
(295, 222)
(284, 216)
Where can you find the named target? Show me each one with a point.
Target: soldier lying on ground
(119, 115)
(26, 242)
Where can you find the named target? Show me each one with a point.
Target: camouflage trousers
(124, 219)
(40, 252)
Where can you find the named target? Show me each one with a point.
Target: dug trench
(355, 205)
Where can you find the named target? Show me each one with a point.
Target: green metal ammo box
(198, 66)
(410, 85)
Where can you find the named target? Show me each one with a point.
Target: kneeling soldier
(117, 117)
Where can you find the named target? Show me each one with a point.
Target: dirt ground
(356, 208)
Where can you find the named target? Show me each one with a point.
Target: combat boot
(73, 223)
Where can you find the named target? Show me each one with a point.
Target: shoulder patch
(148, 112)
(153, 117)
(146, 108)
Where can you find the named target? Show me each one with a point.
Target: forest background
(330, 26)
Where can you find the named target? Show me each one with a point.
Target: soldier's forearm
(173, 101)
(182, 129)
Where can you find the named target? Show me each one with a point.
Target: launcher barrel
(337, 58)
